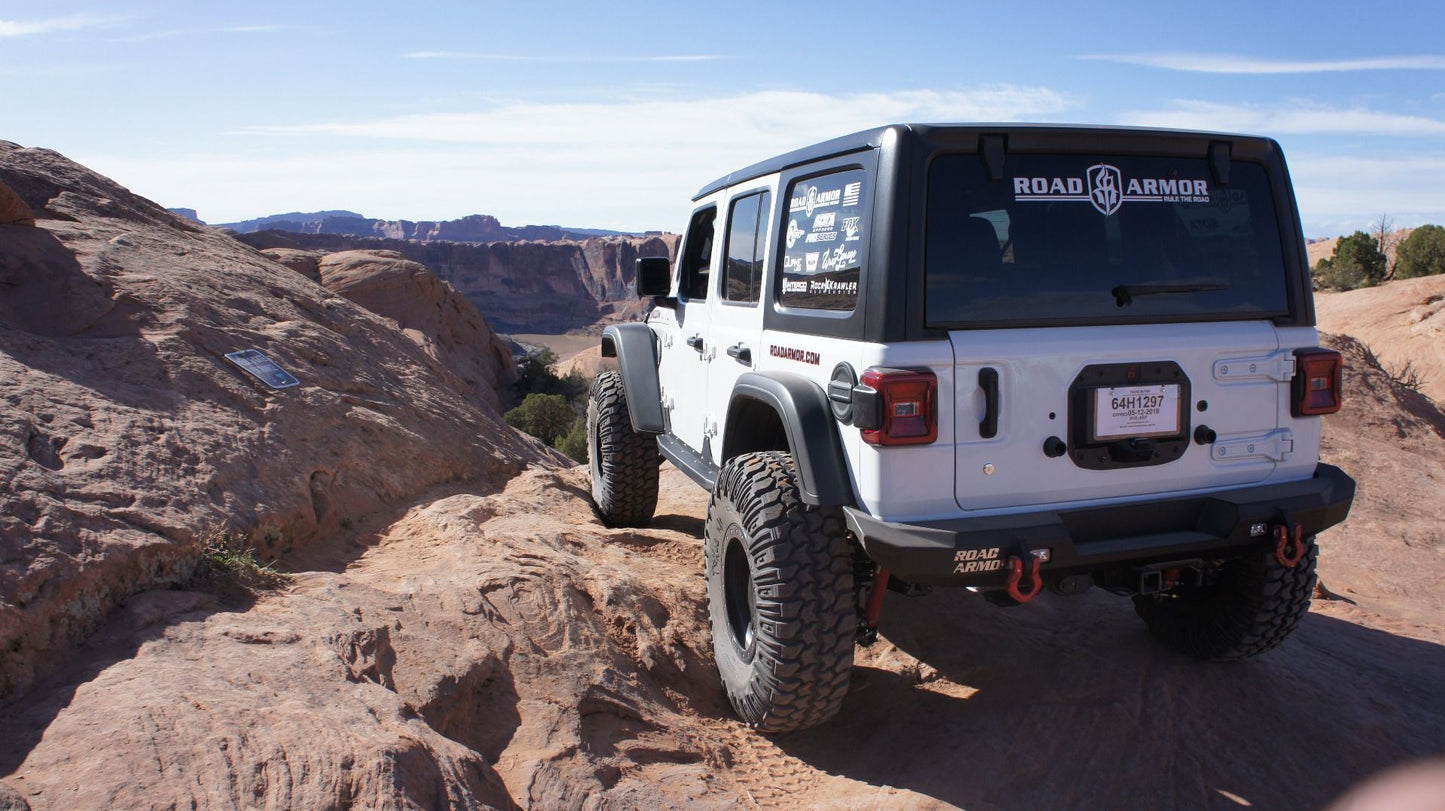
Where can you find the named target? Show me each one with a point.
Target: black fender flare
(632, 345)
(812, 432)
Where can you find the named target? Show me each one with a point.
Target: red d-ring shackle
(1016, 573)
(1288, 550)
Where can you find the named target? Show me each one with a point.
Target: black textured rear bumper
(974, 551)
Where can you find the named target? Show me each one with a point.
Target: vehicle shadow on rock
(1069, 703)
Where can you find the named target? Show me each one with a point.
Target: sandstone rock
(431, 312)
(124, 431)
(1403, 323)
(588, 363)
(307, 263)
(13, 210)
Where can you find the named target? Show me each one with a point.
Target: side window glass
(743, 272)
(825, 237)
(697, 255)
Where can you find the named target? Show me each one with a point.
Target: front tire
(780, 596)
(1254, 605)
(623, 463)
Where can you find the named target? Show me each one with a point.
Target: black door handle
(696, 343)
(741, 354)
(988, 381)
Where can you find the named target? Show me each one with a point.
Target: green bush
(574, 442)
(535, 376)
(1342, 274)
(1359, 252)
(552, 406)
(1422, 253)
(545, 416)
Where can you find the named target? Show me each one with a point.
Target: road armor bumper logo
(973, 561)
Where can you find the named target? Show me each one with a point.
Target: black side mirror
(654, 276)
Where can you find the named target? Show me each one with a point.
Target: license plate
(1136, 411)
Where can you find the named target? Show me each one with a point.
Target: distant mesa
(523, 286)
(472, 228)
(188, 213)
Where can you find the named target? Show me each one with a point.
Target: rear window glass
(824, 242)
(1108, 239)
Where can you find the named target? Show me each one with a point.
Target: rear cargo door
(1081, 413)
(1113, 324)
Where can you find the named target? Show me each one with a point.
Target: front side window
(1063, 239)
(743, 269)
(824, 238)
(696, 265)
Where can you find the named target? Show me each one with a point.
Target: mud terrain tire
(623, 463)
(780, 596)
(1252, 608)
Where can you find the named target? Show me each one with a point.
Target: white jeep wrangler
(1003, 357)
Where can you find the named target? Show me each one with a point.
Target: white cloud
(1235, 63)
(750, 121)
(628, 165)
(1338, 194)
(494, 57)
(73, 22)
(1294, 119)
(189, 32)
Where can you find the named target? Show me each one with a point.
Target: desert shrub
(227, 561)
(1422, 253)
(1406, 376)
(574, 442)
(1342, 274)
(545, 416)
(1357, 262)
(535, 376)
(552, 406)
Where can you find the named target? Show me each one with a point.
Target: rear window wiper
(1124, 294)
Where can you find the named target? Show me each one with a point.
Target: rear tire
(1255, 604)
(623, 463)
(780, 596)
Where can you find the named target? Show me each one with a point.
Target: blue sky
(612, 115)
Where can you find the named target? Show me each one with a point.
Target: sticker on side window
(824, 238)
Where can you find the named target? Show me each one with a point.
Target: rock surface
(431, 313)
(307, 263)
(521, 286)
(13, 210)
(125, 433)
(1403, 323)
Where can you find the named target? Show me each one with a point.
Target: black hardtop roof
(873, 138)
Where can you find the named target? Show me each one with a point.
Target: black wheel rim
(738, 591)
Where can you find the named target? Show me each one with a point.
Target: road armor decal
(1105, 187)
(972, 561)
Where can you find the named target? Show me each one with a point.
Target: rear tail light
(1317, 387)
(907, 412)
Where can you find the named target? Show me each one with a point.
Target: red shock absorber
(875, 597)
